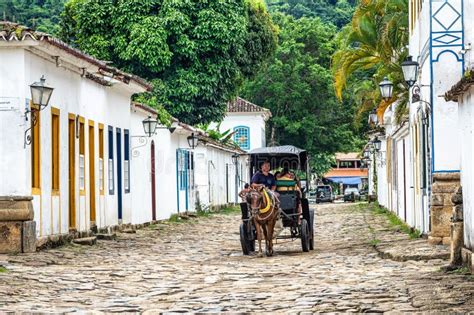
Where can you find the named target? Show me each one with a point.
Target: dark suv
(324, 194)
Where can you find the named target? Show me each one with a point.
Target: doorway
(92, 173)
(119, 172)
(72, 173)
(153, 181)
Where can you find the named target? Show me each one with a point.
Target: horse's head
(255, 198)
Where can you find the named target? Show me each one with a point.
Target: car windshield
(325, 189)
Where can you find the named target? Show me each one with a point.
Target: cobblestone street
(198, 266)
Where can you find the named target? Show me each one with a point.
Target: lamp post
(386, 89)
(149, 126)
(40, 96)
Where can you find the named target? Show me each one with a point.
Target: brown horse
(265, 210)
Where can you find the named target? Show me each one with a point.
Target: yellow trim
(71, 171)
(55, 192)
(55, 111)
(36, 191)
(267, 201)
(91, 123)
(36, 150)
(81, 119)
(101, 126)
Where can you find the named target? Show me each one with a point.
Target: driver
(264, 177)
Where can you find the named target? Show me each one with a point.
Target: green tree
(337, 12)
(43, 15)
(297, 87)
(196, 53)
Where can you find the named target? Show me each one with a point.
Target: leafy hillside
(337, 12)
(43, 15)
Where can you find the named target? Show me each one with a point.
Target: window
(82, 161)
(55, 148)
(182, 167)
(35, 151)
(101, 159)
(126, 166)
(242, 137)
(264, 141)
(111, 160)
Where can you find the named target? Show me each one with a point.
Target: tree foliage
(42, 15)
(196, 53)
(370, 48)
(297, 87)
(337, 12)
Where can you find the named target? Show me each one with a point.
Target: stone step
(85, 241)
(106, 236)
(129, 231)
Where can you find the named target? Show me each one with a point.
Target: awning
(346, 180)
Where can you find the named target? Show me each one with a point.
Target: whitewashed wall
(72, 95)
(466, 114)
(254, 121)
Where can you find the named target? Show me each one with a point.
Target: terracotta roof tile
(239, 105)
(15, 32)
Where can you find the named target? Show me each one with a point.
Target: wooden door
(153, 181)
(92, 173)
(118, 136)
(72, 171)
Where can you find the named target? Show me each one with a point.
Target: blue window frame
(111, 160)
(126, 166)
(183, 160)
(242, 137)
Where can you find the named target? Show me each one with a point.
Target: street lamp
(410, 71)
(193, 141)
(40, 96)
(366, 154)
(41, 93)
(149, 126)
(386, 89)
(377, 144)
(373, 119)
(235, 158)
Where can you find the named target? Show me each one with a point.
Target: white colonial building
(247, 121)
(427, 156)
(83, 162)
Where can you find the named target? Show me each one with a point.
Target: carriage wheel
(243, 240)
(304, 235)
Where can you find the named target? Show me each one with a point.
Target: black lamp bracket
(28, 139)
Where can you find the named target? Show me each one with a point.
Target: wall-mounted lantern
(149, 126)
(40, 96)
(377, 144)
(386, 89)
(193, 141)
(373, 119)
(410, 71)
(235, 158)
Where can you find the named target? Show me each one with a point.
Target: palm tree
(374, 42)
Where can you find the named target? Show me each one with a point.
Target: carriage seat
(285, 185)
(288, 194)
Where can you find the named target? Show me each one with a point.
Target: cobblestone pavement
(198, 266)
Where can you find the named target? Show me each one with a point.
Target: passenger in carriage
(287, 175)
(264, 177)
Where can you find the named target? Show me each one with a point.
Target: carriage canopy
(279, 157)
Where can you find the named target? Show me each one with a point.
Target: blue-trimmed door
(119, 172)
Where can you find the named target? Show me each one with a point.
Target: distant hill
(43, 15)
(338, 12)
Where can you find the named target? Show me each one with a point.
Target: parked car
(351, 194)
(324, 194)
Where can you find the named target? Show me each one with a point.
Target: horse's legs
(267, 238)
(271, 227)
(259, 237)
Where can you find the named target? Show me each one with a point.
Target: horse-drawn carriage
(293, 211)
